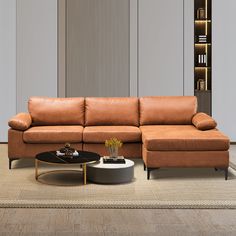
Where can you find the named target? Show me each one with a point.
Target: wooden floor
(27, 222)
(116, 222)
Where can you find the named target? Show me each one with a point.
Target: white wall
(36, 50)
(7, 64)
(223, 66)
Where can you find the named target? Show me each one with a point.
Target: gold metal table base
(37, 175)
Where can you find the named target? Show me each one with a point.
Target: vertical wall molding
(133, 47)
(61, 65)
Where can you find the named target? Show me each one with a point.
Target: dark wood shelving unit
(203, 54)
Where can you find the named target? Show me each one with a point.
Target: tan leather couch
(165, 131)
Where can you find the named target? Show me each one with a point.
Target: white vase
(113, 152)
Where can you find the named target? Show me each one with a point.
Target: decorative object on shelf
(201, 14)
(201, 85)
(67, 151)
(112, 160)
(202, 59)
(113, 146)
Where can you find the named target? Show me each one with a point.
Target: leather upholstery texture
(203, 121)
(99, 134)
(167, 110)
(111, 111)
(56, 111)
(54, 134)
(21, 121)
(182, 138)
(218, 159)
(129, 150)
(165, 131)
(17, 148)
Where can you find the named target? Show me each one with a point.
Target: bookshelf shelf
(202, 44)
(202, 54)
(202, 21)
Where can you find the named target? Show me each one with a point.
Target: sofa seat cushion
(182, 138)
(53, 134)
(98, 134)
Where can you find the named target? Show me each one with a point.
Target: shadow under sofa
(164, 131)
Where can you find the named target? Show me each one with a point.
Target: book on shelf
(201, 38)
(202, 59)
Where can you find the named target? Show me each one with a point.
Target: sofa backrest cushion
(111, 111)
(167, 110)
(56, 111)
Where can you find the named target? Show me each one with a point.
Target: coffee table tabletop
(83, 157)
(50, 157)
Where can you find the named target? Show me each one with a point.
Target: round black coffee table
(83, 159)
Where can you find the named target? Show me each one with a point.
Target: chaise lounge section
(175, 135)
(165, 131)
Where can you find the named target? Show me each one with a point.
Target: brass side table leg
(85, 174)
(36, 169)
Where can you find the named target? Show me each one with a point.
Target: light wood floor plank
(117, 222)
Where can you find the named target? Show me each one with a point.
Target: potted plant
(113, 146)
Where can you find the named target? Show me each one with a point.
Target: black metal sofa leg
(148, 173)
(225, 170)
(144, 167)
(226, 173)
(10, 160)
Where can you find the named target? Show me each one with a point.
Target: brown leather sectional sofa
(165, 131)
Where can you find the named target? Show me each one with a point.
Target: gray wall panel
(223, 66)
(188, 47)
(61, 48)
(7, 64)
(97, 48)
(36, 50)
(160, 47)
(133, 47)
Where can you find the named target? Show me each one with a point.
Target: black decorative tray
(111, 160)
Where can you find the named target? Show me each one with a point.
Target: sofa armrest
(21, 121)
(202, 121)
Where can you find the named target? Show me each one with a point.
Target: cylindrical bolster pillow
(202, 121)
(21, 121)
